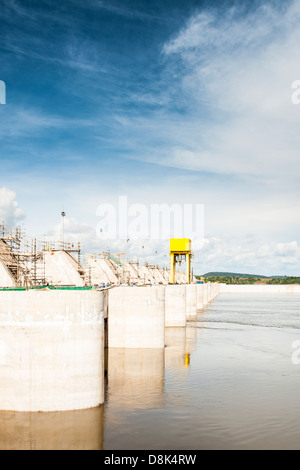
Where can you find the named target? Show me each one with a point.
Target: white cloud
(285, 253)
(236, 72)
(10, 211)
(238, 255)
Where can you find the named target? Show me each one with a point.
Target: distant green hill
(239, 275)
(242, 278)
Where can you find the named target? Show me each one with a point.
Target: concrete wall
(175, 306)
(200, 296)
(191, 301)
(259, 289)
(136, 317)
(51, 350)
(205, 299)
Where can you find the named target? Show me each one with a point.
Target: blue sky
(183, 102)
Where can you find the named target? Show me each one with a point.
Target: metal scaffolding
(23, 256)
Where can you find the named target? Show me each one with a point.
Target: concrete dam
(59, 320)
(53, 342)
(59, 316)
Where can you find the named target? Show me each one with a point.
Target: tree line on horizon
(232, 278)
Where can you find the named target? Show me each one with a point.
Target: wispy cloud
(116, 9)
(25, 121)
(230, 75)
(14, 10)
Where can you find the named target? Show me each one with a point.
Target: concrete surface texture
(136, 317)
(191, 301)
(51, 350)
(175, 305)
(200, 293)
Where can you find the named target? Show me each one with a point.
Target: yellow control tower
(180, 250)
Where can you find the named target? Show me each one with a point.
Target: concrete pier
(200, 296)
(51, 350)
(205, 295)
(209, 293)
(136, 317)
(175, 306)
(54, 343)
(191, 301)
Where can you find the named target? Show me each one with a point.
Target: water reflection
(71, 430)
(191, 338)
(135, 377)
(176, 354)
(141, 386)
(175, 347)
(225, 381)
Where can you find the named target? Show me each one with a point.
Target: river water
(229, 380)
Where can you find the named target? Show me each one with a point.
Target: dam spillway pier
(51, 350)
(52, 341)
